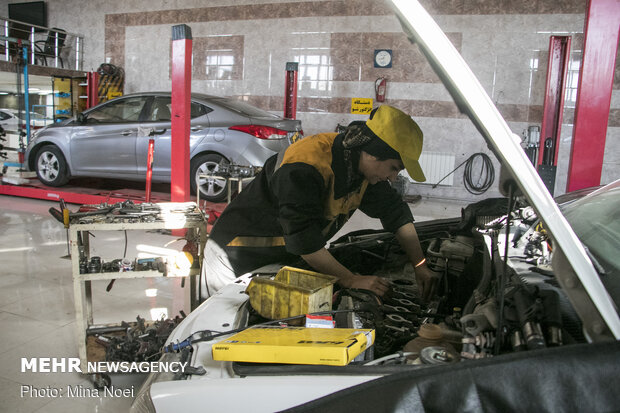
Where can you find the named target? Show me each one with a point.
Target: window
(315, 69)
(198, 110)
(220, 64)
(124, 110)
(161, 110)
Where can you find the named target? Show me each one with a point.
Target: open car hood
(519, 174)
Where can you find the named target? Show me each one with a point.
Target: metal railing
(46, 46)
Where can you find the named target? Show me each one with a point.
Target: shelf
(168, 215)
(121, 226)
(102, 276)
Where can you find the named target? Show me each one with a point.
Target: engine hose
(486, 175)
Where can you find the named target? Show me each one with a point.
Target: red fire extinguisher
(380, 86)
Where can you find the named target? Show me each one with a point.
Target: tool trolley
(126, 217)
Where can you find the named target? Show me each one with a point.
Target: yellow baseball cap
(402, 134)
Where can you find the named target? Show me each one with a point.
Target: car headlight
(143, 402)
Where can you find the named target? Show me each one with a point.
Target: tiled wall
(241, 48)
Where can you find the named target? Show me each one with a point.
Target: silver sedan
(111, 141)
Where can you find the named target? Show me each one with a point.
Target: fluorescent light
(33, 89)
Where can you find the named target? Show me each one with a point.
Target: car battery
(295, 345)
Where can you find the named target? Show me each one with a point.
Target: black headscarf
(358, 137)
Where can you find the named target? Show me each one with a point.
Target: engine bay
(477, 291)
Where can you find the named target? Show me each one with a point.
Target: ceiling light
(4, 93)
(33, 89)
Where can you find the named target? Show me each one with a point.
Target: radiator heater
(435, 166)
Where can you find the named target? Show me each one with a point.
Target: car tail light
(261, 132)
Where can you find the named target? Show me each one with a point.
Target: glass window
(220, 64)
(198, 110)
(315, 68)
(160, 110)
(4, 116)
(123, 110)
(596, 221)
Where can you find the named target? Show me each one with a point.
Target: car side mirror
(81, 118)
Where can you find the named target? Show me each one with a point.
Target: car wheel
(51, 166)
(212, 188)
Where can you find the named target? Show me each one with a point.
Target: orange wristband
(420, 263)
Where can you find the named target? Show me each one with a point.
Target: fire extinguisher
(380, 86)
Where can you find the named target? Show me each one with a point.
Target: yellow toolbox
(292, 292)
(295, 345)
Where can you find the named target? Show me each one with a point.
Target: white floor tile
(18, 330)
(12, 400)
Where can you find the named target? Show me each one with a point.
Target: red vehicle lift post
(290, 90)
(92, 87)
(181, 101)
(596, 76)
(553, 107)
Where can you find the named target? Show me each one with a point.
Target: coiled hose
(486, 174)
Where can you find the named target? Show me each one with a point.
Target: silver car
(111, 141)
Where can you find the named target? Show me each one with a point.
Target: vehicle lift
(30, 187)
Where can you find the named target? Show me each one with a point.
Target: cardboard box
(295, 345)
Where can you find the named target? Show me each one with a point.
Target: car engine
(482, 306)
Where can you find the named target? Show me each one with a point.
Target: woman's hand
(322, 261)
(427, 281)
(373, 283)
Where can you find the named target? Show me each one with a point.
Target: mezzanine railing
(45, 46)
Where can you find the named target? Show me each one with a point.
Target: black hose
(486, 175)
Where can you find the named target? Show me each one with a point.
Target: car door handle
(196, 128)
(154, 132)
(127, 132)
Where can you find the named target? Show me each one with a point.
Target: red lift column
(290, 90)
(181, 101)
(559, 53)
(594, 94)
(92, 89)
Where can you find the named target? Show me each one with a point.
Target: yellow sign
(115, 94)
(361, 106)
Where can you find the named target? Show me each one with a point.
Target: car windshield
(596, 221)
(245, 109)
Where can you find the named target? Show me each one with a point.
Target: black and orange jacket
(298, 202)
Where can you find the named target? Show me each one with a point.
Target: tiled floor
(37, 316)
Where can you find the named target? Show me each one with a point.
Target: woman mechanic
(304, 195)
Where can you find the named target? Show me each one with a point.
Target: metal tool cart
(125, 217)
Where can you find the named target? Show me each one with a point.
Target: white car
(527, 307)
(9, 120)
